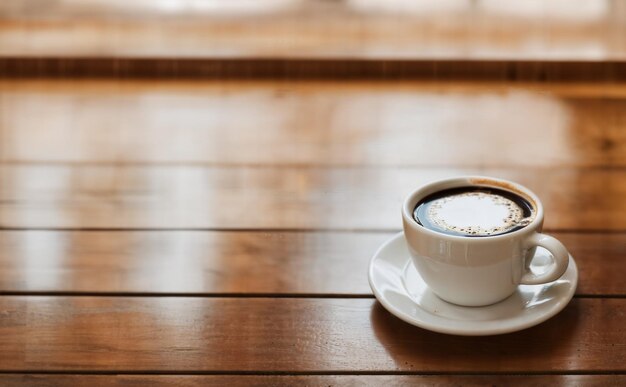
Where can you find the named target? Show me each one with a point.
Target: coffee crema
(474, 211)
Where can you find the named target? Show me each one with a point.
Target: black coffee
(473, 212)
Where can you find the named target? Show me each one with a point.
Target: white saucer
(401, 290)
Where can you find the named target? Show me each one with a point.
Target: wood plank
(546, 30)
(313, 123)
(194, 197)
(310, 380)
(271, 263)
(604, 72)
(299, 335)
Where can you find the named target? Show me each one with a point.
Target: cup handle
(558, 266)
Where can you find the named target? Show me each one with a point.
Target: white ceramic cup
(476, 271)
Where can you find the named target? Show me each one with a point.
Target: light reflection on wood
(291, 198)
(313, 123)
(223, 262)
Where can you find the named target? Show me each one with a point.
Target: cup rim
(471, 180)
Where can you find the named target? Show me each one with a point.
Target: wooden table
(163, 225)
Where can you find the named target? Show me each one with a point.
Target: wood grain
(309, 380)
(219, 231)
(594, 30)
(242, 263)
(175, 197)
(313, 123)
(198, 334)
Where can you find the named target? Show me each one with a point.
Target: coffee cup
(472, 239)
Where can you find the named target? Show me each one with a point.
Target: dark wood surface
(242, 263)
(180, 334)
(212, 225)
(113, 67)
(34, 380)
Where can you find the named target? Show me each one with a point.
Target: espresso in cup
(473, 212)
(472, 238)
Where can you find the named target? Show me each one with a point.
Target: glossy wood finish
(202, 334)
(309, 380)
(241, 263)
(191, 230)
(547, 30)
(196, 197)
(314, 123)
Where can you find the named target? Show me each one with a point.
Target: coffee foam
(477, 213)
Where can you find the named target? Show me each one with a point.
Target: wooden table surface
(202, 231)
